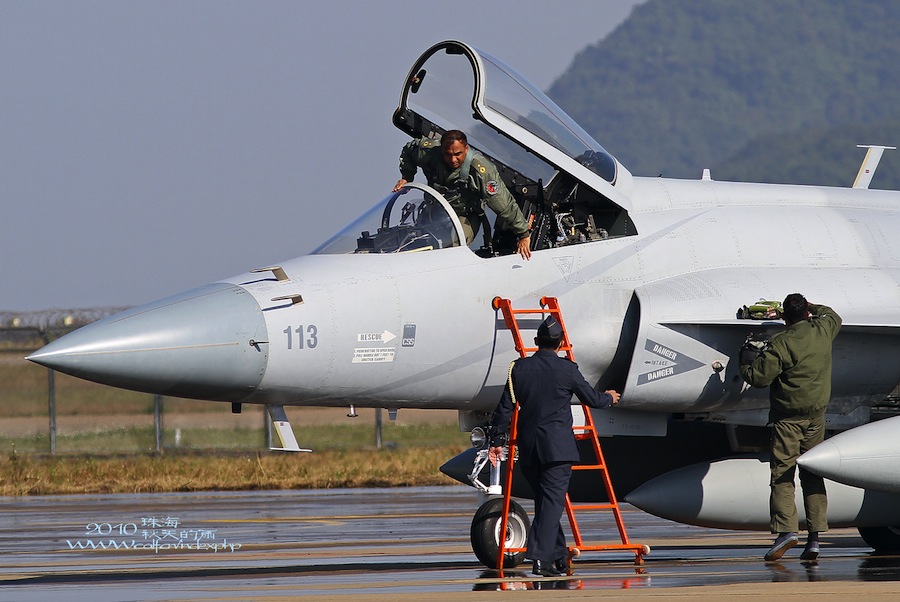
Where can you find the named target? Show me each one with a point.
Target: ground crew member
(543, 385)
(797, 365)
(468, 181)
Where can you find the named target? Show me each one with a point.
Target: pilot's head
(454, 147)
(549, 334)
(795, 308)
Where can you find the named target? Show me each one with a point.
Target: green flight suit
(797, 368)
(466, 193)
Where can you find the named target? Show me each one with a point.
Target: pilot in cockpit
(468, 180)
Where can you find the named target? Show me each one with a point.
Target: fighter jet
(395, 310)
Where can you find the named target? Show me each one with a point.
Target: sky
(147, 148)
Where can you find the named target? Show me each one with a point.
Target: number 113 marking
(308, 337)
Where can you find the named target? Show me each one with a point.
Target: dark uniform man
(543, 385)
(797, 365)
(468, 181)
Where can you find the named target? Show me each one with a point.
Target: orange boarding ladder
(550, 305)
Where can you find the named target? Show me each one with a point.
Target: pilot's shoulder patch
(479, 163)
(491, 187)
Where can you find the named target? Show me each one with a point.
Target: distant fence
(31, 329)
(63, 319)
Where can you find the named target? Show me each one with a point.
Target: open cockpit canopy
(570, 189)
(455, 86)
(546, 159)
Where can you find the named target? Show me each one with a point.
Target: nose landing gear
(485, 533)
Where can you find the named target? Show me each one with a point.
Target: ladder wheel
(485, 533)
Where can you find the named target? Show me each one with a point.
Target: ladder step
(626, 546)
(595, 506)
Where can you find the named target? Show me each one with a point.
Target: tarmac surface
(397, 544)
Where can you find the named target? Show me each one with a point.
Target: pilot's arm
(496, 195)
(411, 157)
(763, 370)
(826, 318)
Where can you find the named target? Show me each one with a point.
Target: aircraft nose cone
(208, 343)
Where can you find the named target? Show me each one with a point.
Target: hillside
(778, 91)
(826, 156)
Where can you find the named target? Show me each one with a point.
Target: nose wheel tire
(485, 533)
